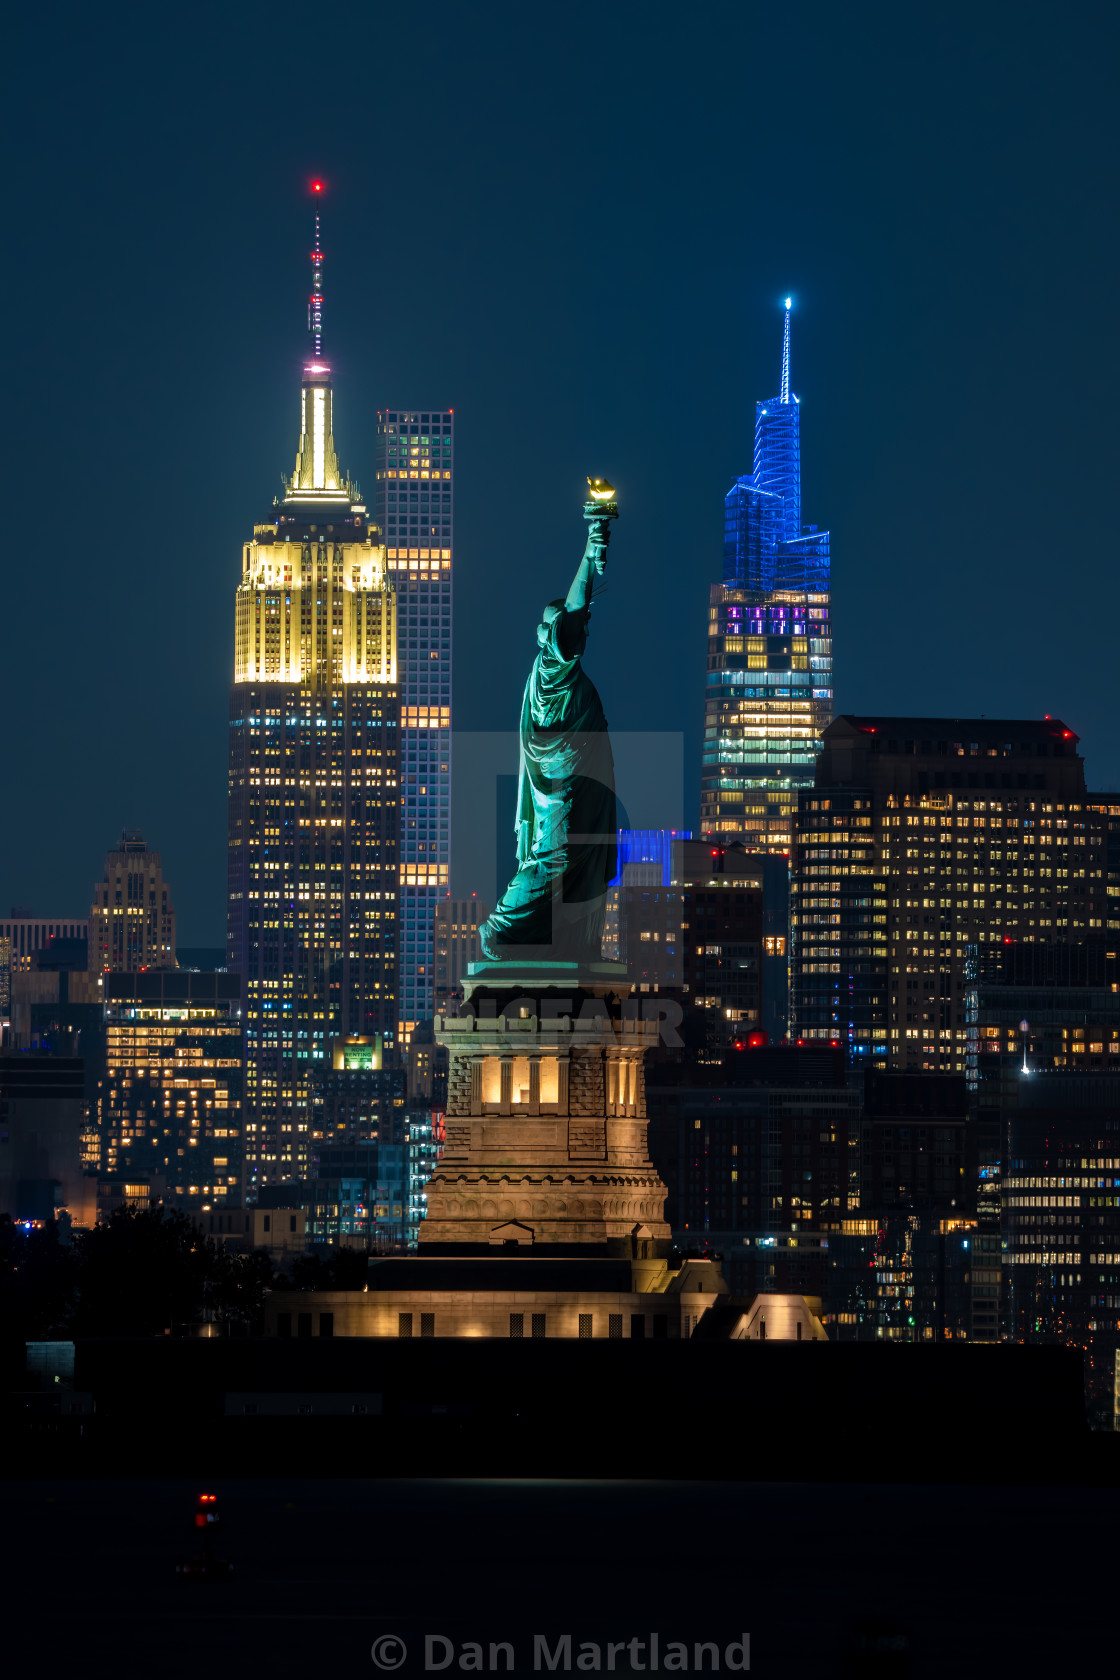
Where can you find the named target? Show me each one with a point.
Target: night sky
(574, 224)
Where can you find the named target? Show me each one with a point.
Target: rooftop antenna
(785, 353)
(315, 301)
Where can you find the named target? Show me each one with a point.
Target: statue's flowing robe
(566, 818)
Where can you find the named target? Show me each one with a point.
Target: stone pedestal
(546, 1115)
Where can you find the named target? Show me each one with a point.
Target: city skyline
(454, 1031)
(936, 340)
(748, 530)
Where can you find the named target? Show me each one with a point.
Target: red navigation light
(757, 1039)
(1067, 734)
(316, 186)
(738, 1044)
(1007, 939)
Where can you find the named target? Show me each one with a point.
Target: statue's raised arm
(552, 910)
(599, 509)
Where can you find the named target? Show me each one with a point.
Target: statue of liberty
(552, 910)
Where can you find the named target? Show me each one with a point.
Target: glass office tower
(927, 844)
(769, 681)
(414, 507)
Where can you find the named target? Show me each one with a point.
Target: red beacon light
(203, 1564)
(316, 186)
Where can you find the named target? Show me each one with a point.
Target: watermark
(648, 776)
(389, 1652)
(639, 1015)
(564, 1653)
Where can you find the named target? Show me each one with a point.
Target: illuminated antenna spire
(315, 302)
(785, 351)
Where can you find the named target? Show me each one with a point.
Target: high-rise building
(170, 1102)
(456, 946)
(42, 1102)
(916, 1145)
(56, 1009)
(769, 683)
(414, 506)
(359, 1196)
(1061, 1220)
(313, 802)
(915, 1277)
(700, 923)
(355, 1097)
(925, 843)
(645, 862)
(131, 921)
(27, 934)
(426, 1132)
(759, 1149)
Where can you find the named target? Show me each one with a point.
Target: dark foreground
(909, 1581)
(751, 1411)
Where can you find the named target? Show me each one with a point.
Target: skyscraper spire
(317, 473)
(315, 301)
(777, 446)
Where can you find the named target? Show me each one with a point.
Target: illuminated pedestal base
(509, 1295)
(546, 1118)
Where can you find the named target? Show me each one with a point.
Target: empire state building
(313, 769)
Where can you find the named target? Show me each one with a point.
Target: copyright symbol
(389, 1651)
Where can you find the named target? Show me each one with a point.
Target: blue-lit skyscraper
(777, 447)
(413, 504)
(769, 678)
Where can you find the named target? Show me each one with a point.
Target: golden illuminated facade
(131, 920)
(314, 606)
(313, 812)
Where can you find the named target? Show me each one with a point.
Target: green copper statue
(552, 910)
